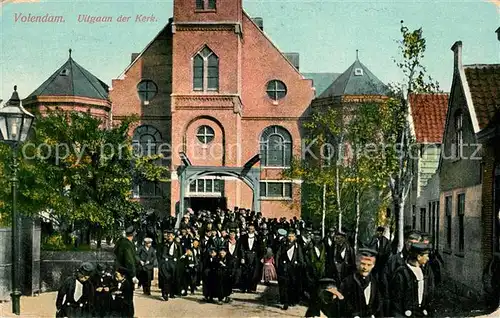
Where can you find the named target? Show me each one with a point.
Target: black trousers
(145, 278)
(289, 284)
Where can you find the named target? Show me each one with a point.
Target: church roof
(71, 79)
(321, 81)
(356, 80)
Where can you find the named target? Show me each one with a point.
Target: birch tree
(412, 46)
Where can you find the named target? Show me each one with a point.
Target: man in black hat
(382, 245)
(330, 299)
(343, 257)
(315, 270)
(170, 254)
(75, 297)
(103, 282)
(412, 292)
(250, 251)
(148, 261)
(395, 261)
(122, 295)
(125, 253)
(329, 242)
(290, 263)
(198, 255)
(224, 276)
(210, 283)
(362, 297)
(186, 240)
(435, 259)
(232, 249)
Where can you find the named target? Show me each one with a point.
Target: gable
(484, 87)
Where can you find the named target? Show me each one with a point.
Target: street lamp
(15, 124)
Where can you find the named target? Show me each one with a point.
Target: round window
(147, 90)
(276, 89)
(205, 134)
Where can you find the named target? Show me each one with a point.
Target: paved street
(262, 304)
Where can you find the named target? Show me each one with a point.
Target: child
(122, 294)
(268, 272)
(188, 271)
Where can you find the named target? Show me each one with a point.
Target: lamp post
(15, 124)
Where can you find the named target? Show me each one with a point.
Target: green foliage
(79, 171)
(412, 46)
(54, 242)
(353, 134)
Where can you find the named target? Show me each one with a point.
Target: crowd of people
(234, 250)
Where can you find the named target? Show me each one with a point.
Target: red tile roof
(428, 112)
(484, 86)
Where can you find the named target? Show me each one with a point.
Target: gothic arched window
(205, 71)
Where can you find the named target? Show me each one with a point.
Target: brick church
(218, 99)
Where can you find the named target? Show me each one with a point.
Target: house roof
(356, 80)
(321, 81)
(428, 113)
(71, 79)
(484, 85)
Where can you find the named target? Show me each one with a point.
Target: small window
(276, 190)
(422, 219)
(206, 186)
(64, 72)
(212, 4)
(205, 134)
(147, 189)
(414, 216)
(461, 228)
(147, 90)
(358, 72)
(276, 90)
(200, 4)
(448, 221)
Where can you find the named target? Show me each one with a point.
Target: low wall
(55, 266)
(5, 263)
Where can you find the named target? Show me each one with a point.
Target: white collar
(251, 236)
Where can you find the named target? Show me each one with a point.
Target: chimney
(260, 22)
(498, 33)
(293, 58)
(457, 50)
(134, 56)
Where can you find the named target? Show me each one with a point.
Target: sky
(326, 34)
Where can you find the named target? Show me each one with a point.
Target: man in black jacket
(412, 289)
(362, 296)
(103, 282)
(75, 297)
(315, 271)
(148, 260)
(125, 253)
(290, 263)
(169, 256)
(250, 255)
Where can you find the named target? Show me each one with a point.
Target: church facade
(223, 105)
